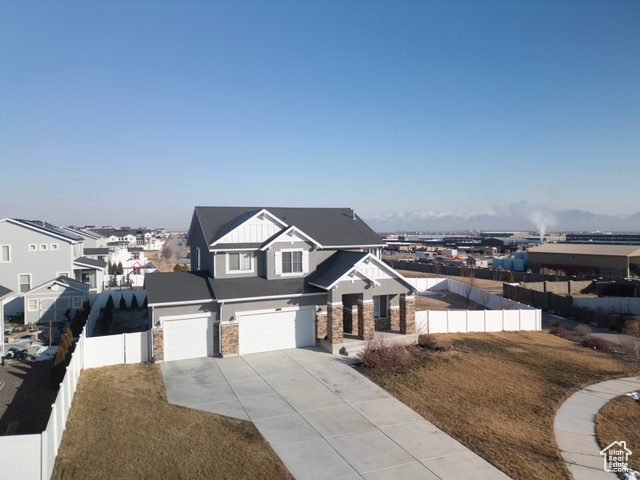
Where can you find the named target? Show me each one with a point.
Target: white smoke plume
(541, 217)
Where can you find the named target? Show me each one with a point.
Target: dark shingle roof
(90, 262)
(4, 291)
(50, 228)
(177, 287)
(329, 226)
(251, 287)
(96, 251)
(334, 267)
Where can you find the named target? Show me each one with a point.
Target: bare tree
(167, 252)
(468, 280)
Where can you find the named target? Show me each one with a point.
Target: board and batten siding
(254, 230)
(43, 265)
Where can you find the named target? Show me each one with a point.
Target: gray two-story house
(34, 254)
(274, 278)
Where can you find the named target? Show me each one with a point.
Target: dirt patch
(26, 398)
(492, 286)
(161, 263)
(129, 321)
(121, 426)
(620, 420)
(443, 300)
(497, 393)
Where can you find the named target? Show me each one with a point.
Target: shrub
(123, 303)
(109, 304)
(596, 344)
(509, 277)
(582, 330)
(382, 353)
(134, 302)
(632, 327)
(430, 342)
(555, 323)
(559, 332)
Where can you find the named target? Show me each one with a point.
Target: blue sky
(132, 112)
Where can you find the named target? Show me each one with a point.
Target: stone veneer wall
(366, 324)
(158, 346)
(321, 325)
(334, 323)
(407, 315)
(229, 339)
(395, 318)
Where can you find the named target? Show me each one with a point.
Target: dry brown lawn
(492, 286)
(450, 301)
(162, 265)
(620, 420)
(121, 426)
(497, 393)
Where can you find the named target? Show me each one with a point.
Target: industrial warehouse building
(610, 261)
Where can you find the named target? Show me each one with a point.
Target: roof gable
(250, 227)
(290, 235)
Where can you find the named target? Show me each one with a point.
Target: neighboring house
(147, 238)
(135, 266)
(272, 278)
(91, 239)
(5, 295)
(53, 300)
(34, 252)
(101, 254)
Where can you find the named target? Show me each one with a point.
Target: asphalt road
(179, 251)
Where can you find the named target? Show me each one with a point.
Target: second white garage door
(268, 331)
(187, 337)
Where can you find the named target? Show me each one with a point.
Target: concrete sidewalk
(322, 418)
(575, 427)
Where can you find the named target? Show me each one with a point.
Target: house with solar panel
(268, 279)
(45, 267)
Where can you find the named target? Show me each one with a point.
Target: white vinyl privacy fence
(28, 457)
(502, 314)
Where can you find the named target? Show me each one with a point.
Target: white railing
(502, 314)
(33, 456)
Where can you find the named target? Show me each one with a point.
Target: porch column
(394, 313)
(334, 322)
(407, 314)
(366, 323)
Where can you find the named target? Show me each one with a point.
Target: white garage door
(187, 338)
(264, 332)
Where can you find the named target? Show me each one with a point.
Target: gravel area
(26, 398)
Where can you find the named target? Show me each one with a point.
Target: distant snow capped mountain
(518, 217)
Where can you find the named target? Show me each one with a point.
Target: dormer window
(240, 262)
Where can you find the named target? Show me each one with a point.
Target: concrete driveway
(322, 418)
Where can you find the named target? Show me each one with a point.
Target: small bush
(596, 344)
(559, 332)
(123, 303)
(382, 353)
(632, 327)
(134, 301)
(430, 342)
(582, 330)
(555, 323)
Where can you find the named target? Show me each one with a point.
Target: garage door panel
(188, 338)
(269, 331)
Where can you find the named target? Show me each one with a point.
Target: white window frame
(54, 247)
(379, 297)
(20, 284)
(8, 254)
(31, 308)
(251, 258)
(292, 273)
(44, 247)
(77, 302)
(33, 247)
